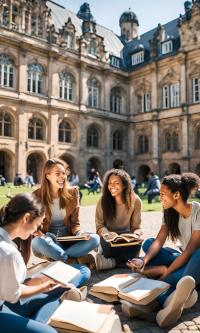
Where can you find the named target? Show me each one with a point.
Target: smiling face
(167, 198)
(116, 186)
(57, 176)
(29, 227)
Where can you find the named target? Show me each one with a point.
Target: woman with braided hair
(181, 220)
(118, 211)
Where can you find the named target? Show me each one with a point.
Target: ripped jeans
(56, 251)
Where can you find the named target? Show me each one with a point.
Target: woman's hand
(111, 235)
(137, 265)
(39, 233)
(86, 235)
(137, 232)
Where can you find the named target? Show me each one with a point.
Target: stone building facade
(71, 88)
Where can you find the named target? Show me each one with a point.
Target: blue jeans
(56, 251)
(14, 318)
(166, 256)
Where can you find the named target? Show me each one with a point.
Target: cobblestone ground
(151, 221)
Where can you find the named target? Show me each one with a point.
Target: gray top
(189, 225)
(57, 219)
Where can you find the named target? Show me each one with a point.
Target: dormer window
(137, 58)
(115, 62)
(167, 47)
(69, 41)
(91, 50)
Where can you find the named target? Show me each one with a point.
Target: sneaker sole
(173, 311)
(98, 262)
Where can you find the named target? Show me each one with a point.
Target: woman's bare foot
(71, 261)
(154, 271)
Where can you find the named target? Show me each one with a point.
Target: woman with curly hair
(118, 211)
(181, 220)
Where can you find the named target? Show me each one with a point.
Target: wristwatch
(106, 234)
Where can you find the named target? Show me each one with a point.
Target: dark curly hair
(108, 201)
(186, 184)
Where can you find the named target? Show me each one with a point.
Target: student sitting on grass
(118, 211)
(181, 220)
(62, 218)
(25, 307)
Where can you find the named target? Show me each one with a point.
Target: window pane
(30, 132)
(40, 84)
(61, 136)
(198, 139)
(1, 129)
(0, 74)
(89, 140)
(34, 83)
(70, 91)
(65, 90)
(95, 141)
(61, 89)
(5, 76)
(11, 78)
(67, 136)
(39, 134)
(146, 145)
(7, 129)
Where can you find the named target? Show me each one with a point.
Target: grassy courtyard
(87, 200)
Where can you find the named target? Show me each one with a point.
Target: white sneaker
(169, 315)
(188, 304)
(104, 263)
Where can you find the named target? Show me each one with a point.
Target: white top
(57, 219)
(189, 225)
(12, 269)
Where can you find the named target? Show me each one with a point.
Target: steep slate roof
(60, 16)
(114, 44)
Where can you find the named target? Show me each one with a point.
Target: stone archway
(94, 163)
(7, 165)
(174, 168)
(197, 169)
(118, 164)
(142, 173)
(70, 161)
(35, 162)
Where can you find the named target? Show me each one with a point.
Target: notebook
(57, 270)
(125, 240)
(83, 317)
(134, 288)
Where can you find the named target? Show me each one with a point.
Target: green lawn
(88, 200)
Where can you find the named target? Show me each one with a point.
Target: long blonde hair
(46, 194)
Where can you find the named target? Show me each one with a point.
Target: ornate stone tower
(129, 25)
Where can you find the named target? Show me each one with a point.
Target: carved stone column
(29, 21)
(10, 14)
(44, 24)
(155, 147)
(154, 89)
(22, 26)
(182, 58)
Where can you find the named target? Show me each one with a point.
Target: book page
(35, 271)
(71, 238)
(118, 281)
(84, 315)
(61, 272)
(143, 288)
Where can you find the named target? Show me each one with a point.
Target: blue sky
(149, 12)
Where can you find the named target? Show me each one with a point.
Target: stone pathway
(151, 221)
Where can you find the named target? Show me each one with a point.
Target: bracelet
(106, 234)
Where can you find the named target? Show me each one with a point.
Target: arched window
(92, 138)
(198, 138)
(66, 86)
(5, 16)
(115, 100)
(172, 141)
(93, 93)
(91, 50)
(6, 71)
(35, 129)
(64, 131)
(5, 124)
(35, 78)
(117, 141)
(143, 144)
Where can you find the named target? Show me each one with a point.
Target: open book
(71, 238)
(57, 270)
(83, 317)
(125, 240)
(134, 288)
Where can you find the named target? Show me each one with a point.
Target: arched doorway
(94, 163)
(142, 173)
(70, 161)
(197, 170)
(7, 165)
(35, 162)
(174, 168)
(118, 164)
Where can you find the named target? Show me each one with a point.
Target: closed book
(57, 270)
(105, 297)
(71, 239)
(83, 317)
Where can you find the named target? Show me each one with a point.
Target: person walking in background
(31, 179)
(134, 183)
(62, 218)
(153, 186)
(27, 180)
(96, 183)
(16, 180)
(118, 211)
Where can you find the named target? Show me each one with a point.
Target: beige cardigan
(124, 221)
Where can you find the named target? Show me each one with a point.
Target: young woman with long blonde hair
(62, 217)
